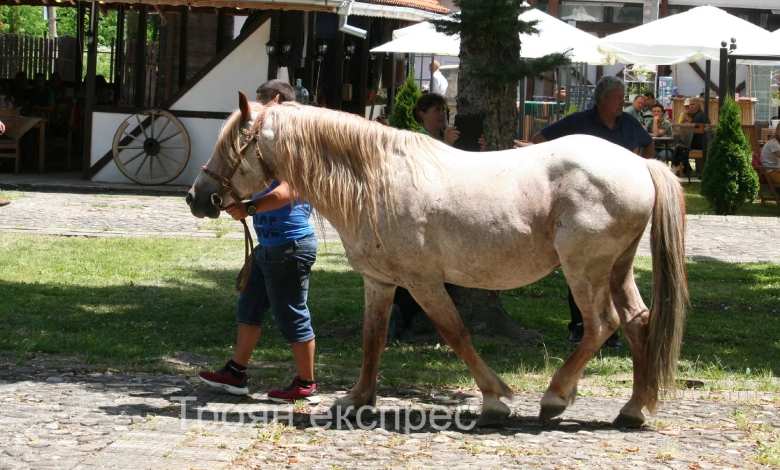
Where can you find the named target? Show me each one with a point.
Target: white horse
(413, 212)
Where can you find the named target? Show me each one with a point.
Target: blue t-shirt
(283, 225)
(628, 131)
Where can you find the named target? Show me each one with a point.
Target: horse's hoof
(490, 418)
(626, 421)
(549, 412)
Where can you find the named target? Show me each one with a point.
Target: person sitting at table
(20, 89)
(685, 116)
(635, 109)
(770, 156)
(647, 111)
(40, 100)
(659, 126)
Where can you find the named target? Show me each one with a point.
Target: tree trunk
(481, 310)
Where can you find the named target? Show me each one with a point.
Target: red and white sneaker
(224, 379)
(296, 391)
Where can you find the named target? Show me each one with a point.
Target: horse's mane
(341, 163)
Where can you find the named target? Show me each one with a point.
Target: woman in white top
(770, 156)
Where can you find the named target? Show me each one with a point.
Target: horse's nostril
(188, 199)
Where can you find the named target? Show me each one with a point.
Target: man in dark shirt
(608, 121)
(697, 116)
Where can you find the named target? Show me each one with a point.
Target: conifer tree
(728, 179)
(491, 63)
(405, 101)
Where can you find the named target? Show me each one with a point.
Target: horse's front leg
(441, 310)
(376, 317)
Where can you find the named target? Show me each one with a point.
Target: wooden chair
(761, 126)
(9, 141)
(752, 136)
(685, 132)
(767, 189)
(767, 134)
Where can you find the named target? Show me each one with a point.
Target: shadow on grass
(732, 324)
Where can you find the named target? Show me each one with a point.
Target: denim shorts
(280, 280)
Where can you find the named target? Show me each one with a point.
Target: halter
(252, 135)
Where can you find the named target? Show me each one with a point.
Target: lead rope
(243, 275)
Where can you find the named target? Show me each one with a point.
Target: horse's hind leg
(590, 286)
(634, 316)
(376, 317)
(439, 307)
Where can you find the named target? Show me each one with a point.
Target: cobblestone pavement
(60, 412)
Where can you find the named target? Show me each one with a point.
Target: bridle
(252, 135)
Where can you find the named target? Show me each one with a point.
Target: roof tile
(426, 5)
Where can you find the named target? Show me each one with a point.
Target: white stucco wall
(244, 69)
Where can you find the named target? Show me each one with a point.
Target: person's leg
(246, 340)
(288, 269)
(303, 353)
(575, 325)
(250, 312)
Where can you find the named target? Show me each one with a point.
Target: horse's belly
(499, 268)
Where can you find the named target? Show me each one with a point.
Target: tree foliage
(405, 100)
(728, 179)
(28, 20)
(493, 26)
(491, 63)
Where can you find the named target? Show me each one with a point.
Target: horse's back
(503, 219)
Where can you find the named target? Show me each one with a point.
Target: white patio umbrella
(681, 38)
(421, 38)
(766, 46)
(554, 36)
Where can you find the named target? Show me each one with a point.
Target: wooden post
(140, 57)
(89, 96)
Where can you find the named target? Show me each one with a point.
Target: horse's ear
(276, 99)
(243, 105)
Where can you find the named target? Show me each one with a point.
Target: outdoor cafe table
(27, 123)
(666, 142)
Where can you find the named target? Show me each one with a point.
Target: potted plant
(774, 94)
(643, 74)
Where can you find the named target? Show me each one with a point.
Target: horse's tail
(670, 285)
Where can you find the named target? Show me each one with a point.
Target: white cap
(687, 102)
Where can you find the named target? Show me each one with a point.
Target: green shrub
(728, 179)
(405, 100)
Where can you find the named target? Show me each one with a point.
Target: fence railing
(31, 55)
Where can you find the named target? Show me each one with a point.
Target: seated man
(647, 112)
(685, 116)
(770, 156)
(659, 126)
(635, 109)
(697, 140)
(40, 100)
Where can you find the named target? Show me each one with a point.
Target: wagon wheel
(156, 148)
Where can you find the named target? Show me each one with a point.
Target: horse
(416, 213)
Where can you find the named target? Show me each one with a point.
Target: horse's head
(236, 169)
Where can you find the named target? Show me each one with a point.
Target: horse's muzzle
(201, 207)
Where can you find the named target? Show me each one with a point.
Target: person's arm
(649, 151)
(279, 197)
(538, 138)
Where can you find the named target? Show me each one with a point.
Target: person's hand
(2, 128)
(482, 143)
(237, 211)
(451, 134)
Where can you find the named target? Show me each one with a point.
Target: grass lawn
(696, 204)
(126, 302)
